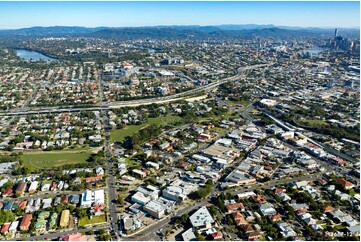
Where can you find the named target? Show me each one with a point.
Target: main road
(298, 131)
(165, 223)
(56, 235)
(110, 105)
(111, 191)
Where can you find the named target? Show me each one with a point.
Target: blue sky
(118, 14)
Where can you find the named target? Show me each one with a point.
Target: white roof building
(92, 197)
(33, 186)
(155, 209)
(189, 235)
(201, 218)
(286, 230)
(140, 198)
(174, 193)
(224, 142)
(14, 226)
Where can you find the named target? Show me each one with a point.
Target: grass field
(219, 130)
(244, 103)
(164, 120)
(53, 159)
(132, 163)
(223, 116)
(85, 221)
(118, 135)
(310, 122)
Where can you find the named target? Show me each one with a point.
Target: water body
(33, 56)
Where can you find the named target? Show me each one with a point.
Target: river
(34, 55)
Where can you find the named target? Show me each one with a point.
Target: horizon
(150, 14)
(188, 25)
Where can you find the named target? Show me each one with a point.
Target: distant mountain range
(173, 32)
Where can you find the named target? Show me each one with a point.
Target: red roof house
(74, 237)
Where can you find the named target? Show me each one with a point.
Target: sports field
(51, 159)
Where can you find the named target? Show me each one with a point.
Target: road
(56, 235)
(329, 166)
(111, 191)
(109, 105)
(41, 195)
(164, 224)
(325, 147)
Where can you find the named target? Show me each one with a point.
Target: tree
(213, 210)
(6, 186)
(200, 237)
(121, 199)
(167, 232)
(104, 235)
(81, 213)
(184, 218)
(6, 216)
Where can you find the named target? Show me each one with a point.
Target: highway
(109, 105)
(111, 191)
(297, 131)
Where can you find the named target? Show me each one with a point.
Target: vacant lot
(243, 103)
(85, 221)
(164, 120)
(119, 135)
(53, 159)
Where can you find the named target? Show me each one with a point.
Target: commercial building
(202, 219)
(89, 198)
(174, 193)
(150, 191)
(189, 235)
(140, 198)
(240, 177)
(267, 103)
(131, 223)
(155, 209)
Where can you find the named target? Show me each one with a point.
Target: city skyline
(127, 14)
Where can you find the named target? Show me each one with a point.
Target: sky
(14, 15)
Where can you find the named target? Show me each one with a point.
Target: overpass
(325, 147)
(132, 103)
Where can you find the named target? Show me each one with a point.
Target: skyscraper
(336, 33)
